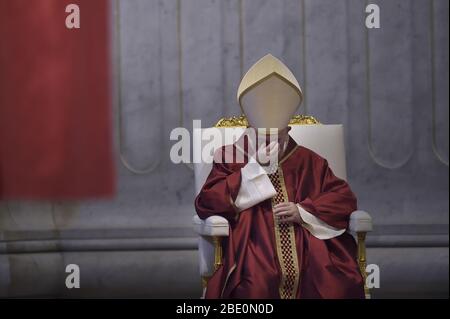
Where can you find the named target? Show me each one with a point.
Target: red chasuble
(266, 258)
(55, 121)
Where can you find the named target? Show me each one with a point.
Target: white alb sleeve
(255, 186)
(317, 227)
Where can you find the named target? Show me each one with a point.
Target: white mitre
(269, 94)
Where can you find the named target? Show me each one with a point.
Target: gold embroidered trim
(285, 242)
(287, 155)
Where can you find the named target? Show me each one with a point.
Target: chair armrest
(211, 226)
(360, 221)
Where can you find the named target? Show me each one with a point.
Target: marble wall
(180, 60)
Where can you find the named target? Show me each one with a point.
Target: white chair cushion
(325, 140)
(203, 162)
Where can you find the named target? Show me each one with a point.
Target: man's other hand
(287, 212)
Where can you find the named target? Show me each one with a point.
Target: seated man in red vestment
(288, 212)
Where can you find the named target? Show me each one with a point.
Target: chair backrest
(325, 140)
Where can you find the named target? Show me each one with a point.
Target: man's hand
(287, 212)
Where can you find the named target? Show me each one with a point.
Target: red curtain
(55, 121)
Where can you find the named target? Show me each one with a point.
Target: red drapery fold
(55, 121)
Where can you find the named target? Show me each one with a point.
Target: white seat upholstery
(326, 140)
(203, 162)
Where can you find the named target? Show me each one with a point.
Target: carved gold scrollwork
(241, 121)
(234, 121)
(303, 120)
